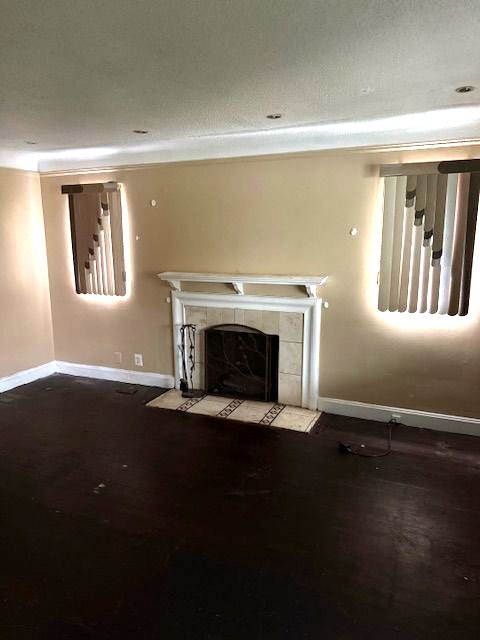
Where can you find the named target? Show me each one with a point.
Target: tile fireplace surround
(295, 320)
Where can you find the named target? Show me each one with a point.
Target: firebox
(241, 362)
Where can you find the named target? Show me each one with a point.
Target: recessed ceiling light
(466, 88)
(30, 142)
(140, 131)
(274, 116)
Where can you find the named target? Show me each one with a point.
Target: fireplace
(241, 362)
(295, 320)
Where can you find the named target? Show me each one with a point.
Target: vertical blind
(97, 238)
(429, 222)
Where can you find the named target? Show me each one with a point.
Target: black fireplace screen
(241, 362)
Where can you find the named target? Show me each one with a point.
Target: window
(97, 238)
(428, 237)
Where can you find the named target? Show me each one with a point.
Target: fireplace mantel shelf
(238, 281)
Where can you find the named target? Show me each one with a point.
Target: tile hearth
(271, 414)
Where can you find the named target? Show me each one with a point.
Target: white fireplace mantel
(238, 281)
(309, 307)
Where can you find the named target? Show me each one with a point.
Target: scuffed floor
(118, 522)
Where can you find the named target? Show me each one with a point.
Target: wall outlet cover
(138, 358)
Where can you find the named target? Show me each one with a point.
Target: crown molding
(439, 128)
(19, 160)
(387, 148)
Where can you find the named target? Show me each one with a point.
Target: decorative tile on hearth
(267, 414)
(296, 418)
(251, 411)
(210, 405)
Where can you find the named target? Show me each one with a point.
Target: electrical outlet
(396, 418)
(138, 359)
(118, 357)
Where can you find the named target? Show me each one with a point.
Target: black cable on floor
(347, 448)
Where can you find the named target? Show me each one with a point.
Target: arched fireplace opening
(241, 362)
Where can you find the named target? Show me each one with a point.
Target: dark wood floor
(207, 529)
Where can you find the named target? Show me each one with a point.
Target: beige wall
(25, 319)
(278, 215)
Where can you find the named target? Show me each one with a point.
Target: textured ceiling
(77, 74)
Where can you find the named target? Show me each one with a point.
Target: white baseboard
(145, 378)
(409, 417)
(28, 375)
(88, 371)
